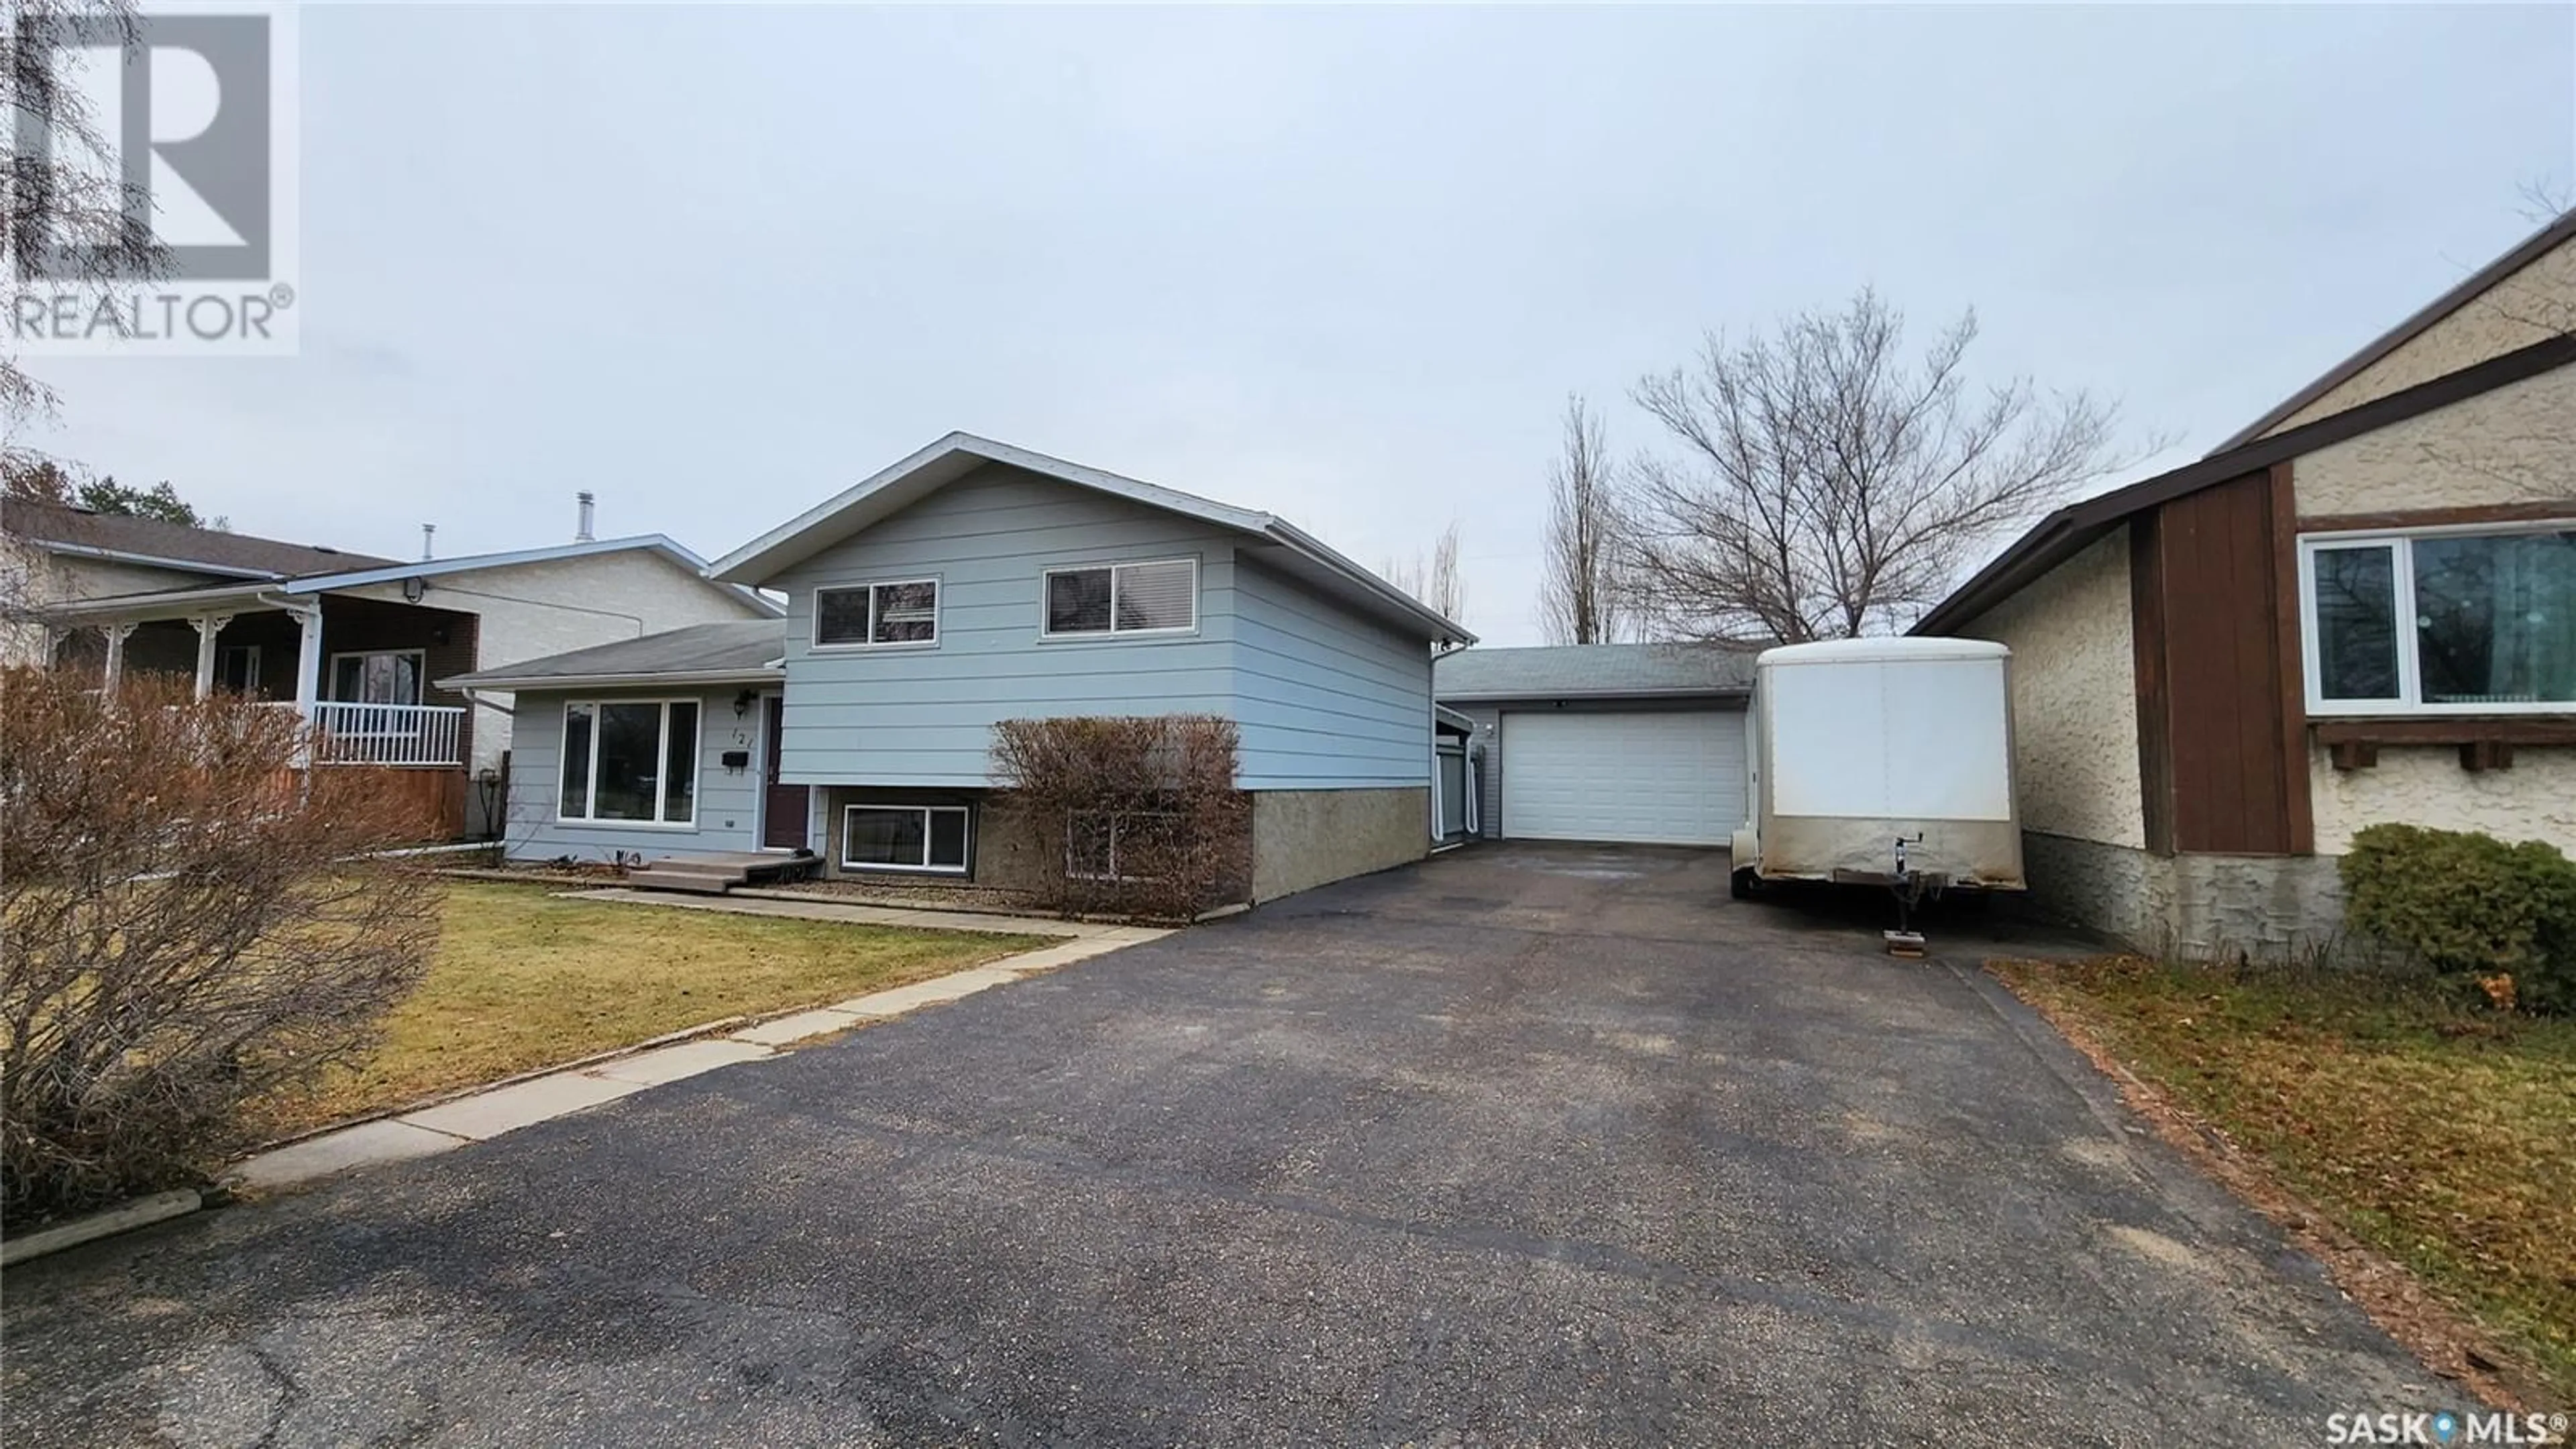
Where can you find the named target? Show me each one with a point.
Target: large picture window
(2459, 622)
(632, 760)
(904, 837)
(876, 615)
(1139, 598)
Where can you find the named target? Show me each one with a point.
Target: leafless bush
(190, 923)
(1141, 813)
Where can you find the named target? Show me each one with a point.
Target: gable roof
(953, 457)
(2070, 530)
(1592, 671)
(743, 651)
(151, 541)
(2529, 250)
(386, 571)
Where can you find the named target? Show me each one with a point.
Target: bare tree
(192, 924)
(1580, 601)
(1828, 487)
(66, 206)
(1438, 580)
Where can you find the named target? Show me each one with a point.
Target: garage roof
(1593, 671)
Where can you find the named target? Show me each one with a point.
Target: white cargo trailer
(1881, 762)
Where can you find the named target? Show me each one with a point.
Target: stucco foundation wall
(2515, 444)
(1304, 838)
(2424, 785)
(2199, 907)
(2075, 697)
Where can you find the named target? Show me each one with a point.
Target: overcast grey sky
(1340, 264)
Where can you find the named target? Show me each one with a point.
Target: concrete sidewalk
(478, 1116)
(815, 908)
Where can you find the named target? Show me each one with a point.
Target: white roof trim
(959, 453)
(574, 683)
(420, 569)
(1502, 696)
(178, 565)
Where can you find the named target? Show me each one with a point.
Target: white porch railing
(388, 734)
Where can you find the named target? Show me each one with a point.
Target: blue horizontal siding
(925, 717)
(1327, 698)
(728, 800)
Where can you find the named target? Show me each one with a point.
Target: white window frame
(938, 602)
(250, 657)
(1115, 816)
(419, 675)
(661, 772)
(966, 838)
(1046, 587)
(2409, 700)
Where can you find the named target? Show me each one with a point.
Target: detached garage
(1633, 743)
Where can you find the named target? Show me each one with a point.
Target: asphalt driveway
(1523, 1145)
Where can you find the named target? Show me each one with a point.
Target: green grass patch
(2439, 1134)
(523, 980)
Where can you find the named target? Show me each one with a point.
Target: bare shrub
(191, 923)
(1135, 816)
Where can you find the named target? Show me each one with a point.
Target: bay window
(2440, 622)
(630, 760)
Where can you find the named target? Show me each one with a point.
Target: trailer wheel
(1743, 884)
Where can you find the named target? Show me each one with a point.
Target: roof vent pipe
(428, 532)
(583, 534)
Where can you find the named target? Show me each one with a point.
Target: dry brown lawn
(2438, 1133)
(523, 981)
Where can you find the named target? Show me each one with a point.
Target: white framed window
(1102, 845)
(377, 676)
(1156, 597)
(630, 760)
(237, 668)
(900, 613)
(904, 837)
(2470, 620)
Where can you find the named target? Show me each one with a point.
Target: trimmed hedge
(2469, 905)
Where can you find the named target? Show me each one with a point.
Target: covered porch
(359, 669)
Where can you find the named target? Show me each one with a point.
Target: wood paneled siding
(924, 717)
(1327, 698)
(2214, 735)
(728, 800)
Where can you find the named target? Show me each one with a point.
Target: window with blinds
(1161, 597)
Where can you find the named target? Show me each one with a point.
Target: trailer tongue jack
(1907, 887)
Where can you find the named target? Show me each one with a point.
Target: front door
(782, 815)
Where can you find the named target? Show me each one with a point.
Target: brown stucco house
(2361, 608)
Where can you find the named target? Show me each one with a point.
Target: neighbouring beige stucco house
(2361, 608)
(355, 643)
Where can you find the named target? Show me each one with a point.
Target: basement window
(904, 837)
(2440, 622)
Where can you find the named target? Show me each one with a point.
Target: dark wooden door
(782, 818)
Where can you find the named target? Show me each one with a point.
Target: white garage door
(1667, 778)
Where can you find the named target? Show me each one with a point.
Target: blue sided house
(970, 583)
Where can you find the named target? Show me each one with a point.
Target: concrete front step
(699, 882)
